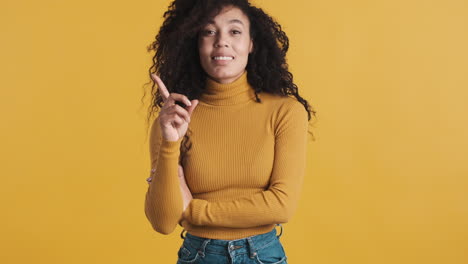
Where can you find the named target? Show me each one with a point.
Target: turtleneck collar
(236, 92)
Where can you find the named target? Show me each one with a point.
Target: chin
(220, 75)
(217, 75)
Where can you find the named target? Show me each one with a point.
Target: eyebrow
(232, 21)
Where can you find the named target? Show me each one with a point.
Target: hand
(186, 194)
(173, 118)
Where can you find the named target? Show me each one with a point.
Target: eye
(208, 32)
(236, 31)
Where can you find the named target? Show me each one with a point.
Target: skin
(228, 34)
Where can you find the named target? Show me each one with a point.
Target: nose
(221, 41)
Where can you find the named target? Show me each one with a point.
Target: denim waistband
(223, 242)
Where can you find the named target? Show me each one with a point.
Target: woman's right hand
(173, 118)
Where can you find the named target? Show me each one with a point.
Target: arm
(163, 203)
(276, 204)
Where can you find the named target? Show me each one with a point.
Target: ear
(251, 46)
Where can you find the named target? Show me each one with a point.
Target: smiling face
(224, 45)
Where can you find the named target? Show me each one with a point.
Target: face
(224, 45)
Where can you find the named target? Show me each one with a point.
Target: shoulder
(287, 113)
(280, 100)
(284, 105)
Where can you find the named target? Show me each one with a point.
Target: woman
(228, 148)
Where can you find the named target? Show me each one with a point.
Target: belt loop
(278, 236)
(201, 250)
(181, 233)
(252, 249)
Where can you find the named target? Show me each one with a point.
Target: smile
(222, 58)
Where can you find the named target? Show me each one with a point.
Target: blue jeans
(260, 249)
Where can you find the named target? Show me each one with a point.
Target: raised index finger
(162, 87)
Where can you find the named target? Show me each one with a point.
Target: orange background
(386, 178)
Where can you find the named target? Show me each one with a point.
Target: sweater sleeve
(278, 203)
(163, 203)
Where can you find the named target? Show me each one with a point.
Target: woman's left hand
(186, 194)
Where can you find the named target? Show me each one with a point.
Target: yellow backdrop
(386, 178)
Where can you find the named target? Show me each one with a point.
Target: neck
(236, 92)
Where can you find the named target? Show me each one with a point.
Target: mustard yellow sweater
(245, 167)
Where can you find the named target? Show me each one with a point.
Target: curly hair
(176, 48)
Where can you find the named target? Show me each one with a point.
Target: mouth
(222, 58)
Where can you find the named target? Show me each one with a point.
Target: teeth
(223, 58)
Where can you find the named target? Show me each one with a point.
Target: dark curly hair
(176, 48)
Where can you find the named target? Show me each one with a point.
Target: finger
(191, 108)
(184, 186)
(162, 88)
(179, 111)
(180, 97)
(177, 120)
(173, 120)
(181, 171)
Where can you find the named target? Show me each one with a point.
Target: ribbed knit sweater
(245, 167)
